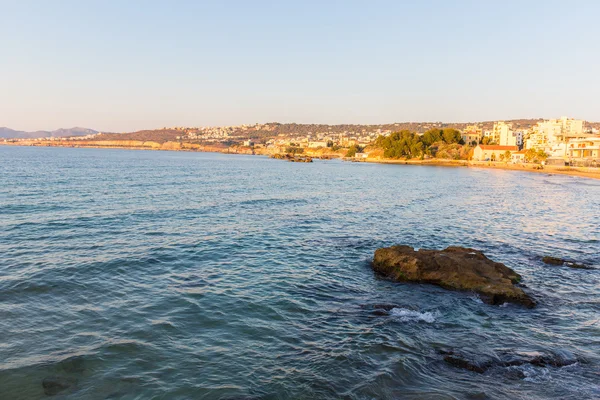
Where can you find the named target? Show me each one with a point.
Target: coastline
(582, 172)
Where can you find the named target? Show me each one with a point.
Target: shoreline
(582, 172)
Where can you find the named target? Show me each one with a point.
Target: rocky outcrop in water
(481, 364)
(379, 309)
(292, 157)
(453, 268)
(559, 261)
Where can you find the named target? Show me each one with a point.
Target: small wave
(476, 298)
(534, 374)
(406, 315)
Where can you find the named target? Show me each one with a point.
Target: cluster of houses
(310, 140)
(318, 140)
(563, 140)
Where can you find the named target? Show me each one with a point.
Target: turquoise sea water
(172, 275)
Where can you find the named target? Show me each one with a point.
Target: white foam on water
(406, 315)
(476, 298)
(535, 374)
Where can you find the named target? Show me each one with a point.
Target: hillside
(274, 129)
(156, 135)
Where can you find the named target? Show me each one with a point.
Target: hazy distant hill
(155, 135)
(12, 134)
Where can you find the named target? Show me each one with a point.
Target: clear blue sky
(127, 65)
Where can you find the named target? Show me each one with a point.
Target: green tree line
(407, 144)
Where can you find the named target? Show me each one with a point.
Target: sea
(130, 274)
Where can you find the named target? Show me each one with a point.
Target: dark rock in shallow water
(381, 313)
(386, 307)
(553, 360)
(553, 260)
(577, 266)
(559, 261)
(515, 373)
(379, 309)
(478, 396)
(73, 365)
(463, 363)
(453, 268)
(53, 385)
(508, 359)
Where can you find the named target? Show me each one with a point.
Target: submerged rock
(456, 268)
(577, 266)
(464, 363)
(73, 364)
(508, 359)
(559, 261)
(557, 359)
(53, 385)
(292, 157)
(553, 260)
(379, 309)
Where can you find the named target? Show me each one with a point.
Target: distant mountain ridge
(8, 133)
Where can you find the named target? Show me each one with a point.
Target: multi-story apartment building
(503, 134)
(552, 135)
(586, 149)
(472, 133)
(519, 135)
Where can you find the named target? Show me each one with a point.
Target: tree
(535, 156)
(352, 150)
(401, 144)
(542, 156)
(451, 135)
(294, 149)
(530, 155)
(507, 155)
(431, 136)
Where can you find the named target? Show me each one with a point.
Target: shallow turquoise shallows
(173, 275)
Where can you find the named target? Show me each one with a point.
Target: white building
(503, 134)
(587, 149)
(314, 145)
(552, 135)
(519, 135)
